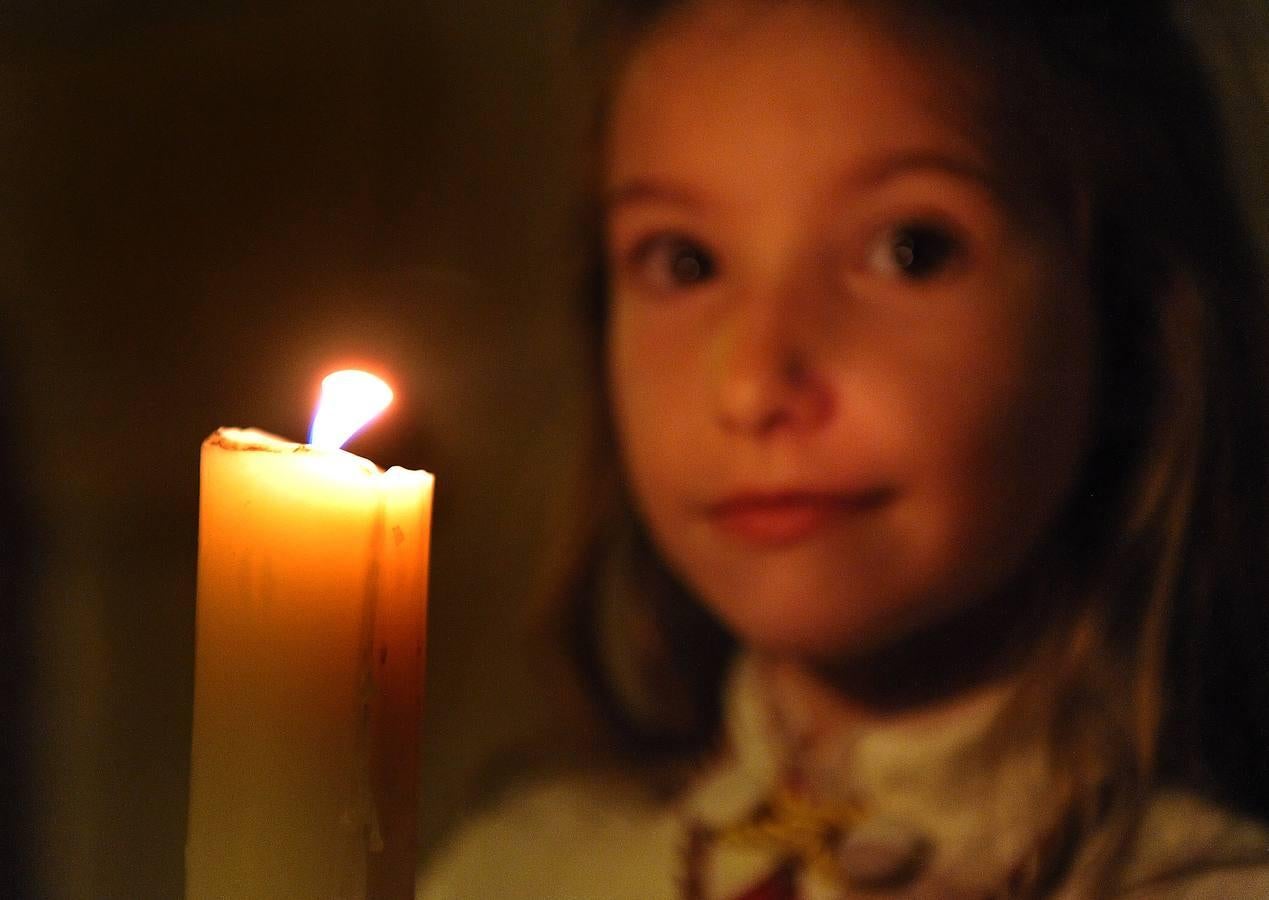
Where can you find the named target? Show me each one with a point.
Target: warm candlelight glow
(350, 399)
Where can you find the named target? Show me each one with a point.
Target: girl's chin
(817, 639)
(838, 628)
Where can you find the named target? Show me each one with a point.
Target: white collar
(928, 772)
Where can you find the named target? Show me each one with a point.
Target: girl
(932, 344)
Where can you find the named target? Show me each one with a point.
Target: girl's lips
(775, 519)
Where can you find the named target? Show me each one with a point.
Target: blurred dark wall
(202, 208)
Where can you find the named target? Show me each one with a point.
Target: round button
(881, 853)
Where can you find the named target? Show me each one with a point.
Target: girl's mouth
(787, 517)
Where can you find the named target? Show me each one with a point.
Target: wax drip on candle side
(350, 399)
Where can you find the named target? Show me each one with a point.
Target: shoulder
(1225, 883)
(1193, 849)
(573, 837)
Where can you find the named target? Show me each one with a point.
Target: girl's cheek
(648, 370)
(655, 343)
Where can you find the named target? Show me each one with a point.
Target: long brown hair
(1152, 665)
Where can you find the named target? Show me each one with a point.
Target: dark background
(203, 207)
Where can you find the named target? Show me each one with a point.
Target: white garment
(594, 838)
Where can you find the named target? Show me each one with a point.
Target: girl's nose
(767, 378)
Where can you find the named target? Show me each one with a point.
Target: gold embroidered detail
(797, 829)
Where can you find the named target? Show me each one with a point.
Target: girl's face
(851, 385)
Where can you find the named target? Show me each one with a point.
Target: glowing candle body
(312, 580)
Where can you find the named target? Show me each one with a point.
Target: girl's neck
(940, 668)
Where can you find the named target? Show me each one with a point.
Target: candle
(312, 581)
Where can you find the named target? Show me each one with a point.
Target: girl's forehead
(696, 33)
(790, 83)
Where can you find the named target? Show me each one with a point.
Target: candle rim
(255, 440)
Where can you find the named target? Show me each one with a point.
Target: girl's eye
(914, 251)
(671, 263)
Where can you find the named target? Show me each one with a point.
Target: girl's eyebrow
(643, 190)
(871, 174)
(879, 171)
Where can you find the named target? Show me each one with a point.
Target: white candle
(312, 580)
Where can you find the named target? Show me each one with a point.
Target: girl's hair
(1150, 666)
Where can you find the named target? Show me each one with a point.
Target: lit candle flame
(350, 399)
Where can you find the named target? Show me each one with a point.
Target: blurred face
(851, 387)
